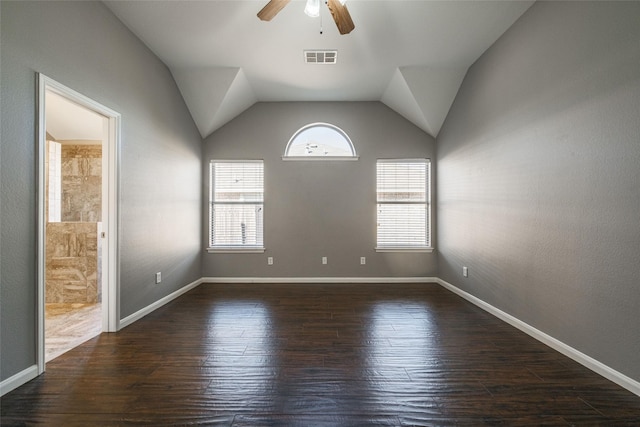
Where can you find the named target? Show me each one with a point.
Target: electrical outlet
(324, 259)
(158, 277)
(270, 260)
(363, 260)
(465, 271)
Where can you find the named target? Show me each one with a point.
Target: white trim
(159, 303)
(18, 379)
(42, 225)
(236, 161)
(405, 160)
(587, 361)
(426, 250)
(354, 153)
(110, 266)
(214, 280)
(319, 158)
(229, 250)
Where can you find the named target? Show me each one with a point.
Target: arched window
(320, 141)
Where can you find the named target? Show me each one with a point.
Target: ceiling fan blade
(341, 16)
(271, 9)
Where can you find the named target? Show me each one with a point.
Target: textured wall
(317, 208)
(539, 177)
(84, 46)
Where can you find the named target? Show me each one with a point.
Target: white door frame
(110, 219)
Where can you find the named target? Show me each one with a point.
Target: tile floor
(69, 325)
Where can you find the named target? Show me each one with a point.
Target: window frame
(227, 248)
(288, 157)
(428, 247)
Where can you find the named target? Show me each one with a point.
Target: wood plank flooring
(318, 355)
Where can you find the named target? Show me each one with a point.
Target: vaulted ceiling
(411, 55)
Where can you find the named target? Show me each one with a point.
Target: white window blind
(236, 205)
(403, 196)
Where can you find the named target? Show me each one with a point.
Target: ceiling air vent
(320, 56)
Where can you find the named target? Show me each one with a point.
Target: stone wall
(81, 182)
(73, 245)
(73, 271)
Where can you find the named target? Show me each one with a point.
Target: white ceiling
(65, 120)
(411, 55)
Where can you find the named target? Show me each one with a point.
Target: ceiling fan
(337, 8)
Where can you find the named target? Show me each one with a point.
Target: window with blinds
(403, 197)
(236, 205)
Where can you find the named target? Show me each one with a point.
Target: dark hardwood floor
(318, 355)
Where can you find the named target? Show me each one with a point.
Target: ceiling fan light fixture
(312, 8)
(339, 12)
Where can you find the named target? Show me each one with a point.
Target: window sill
(425, 250)
(229, 250)
(320, 158)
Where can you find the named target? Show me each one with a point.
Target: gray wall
(316, 208)
(539, 178)
(82, 45)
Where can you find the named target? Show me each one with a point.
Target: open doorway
(73, 214)
(77, 220)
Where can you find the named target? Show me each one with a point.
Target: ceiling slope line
(424, 95)
(399, 98)
(214, 95)
(434, 89)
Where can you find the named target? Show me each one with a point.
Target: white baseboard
(162, 301)
(587, 361)
(320, 280)
(18, 379)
